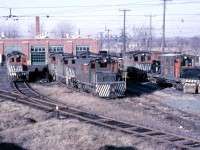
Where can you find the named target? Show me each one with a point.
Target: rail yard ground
(24, 127)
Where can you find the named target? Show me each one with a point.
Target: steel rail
(126, 127)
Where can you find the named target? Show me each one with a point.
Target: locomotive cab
(174, 65)
(17, 67)
(179, 70)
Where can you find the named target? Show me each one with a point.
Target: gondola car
(178, 70)
(137, 64)
(96, 75)
(17, 68)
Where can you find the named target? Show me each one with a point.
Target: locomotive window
(18, 59)
(73, 61)
(142, 58)
(183, 62)
(149, 57)
(171, 61)
(65, 61)
(12, 60)
(103, 65)
(53, 58)
(85, 69)
(24, 60)
(135, 58)
(93, 66)
(189, 62)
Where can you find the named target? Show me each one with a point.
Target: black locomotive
(179, 70)
(92, 73)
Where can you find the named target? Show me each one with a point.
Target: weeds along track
(153, 106)
(46, 104)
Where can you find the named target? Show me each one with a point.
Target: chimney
(37, 25)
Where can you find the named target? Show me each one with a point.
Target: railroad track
(153, 107)
(103, 121)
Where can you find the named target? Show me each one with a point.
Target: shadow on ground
(109, 147)
(136, 88)
(10, 146)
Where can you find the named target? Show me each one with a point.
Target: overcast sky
(93, 16)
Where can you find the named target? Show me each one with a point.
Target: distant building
(37, 50)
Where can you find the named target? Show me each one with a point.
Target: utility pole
(163, 28)
(124, 35)
(150, 33)
(108, 41)
(88, 36)
(101, 40)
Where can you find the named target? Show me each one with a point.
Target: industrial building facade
(38, 50)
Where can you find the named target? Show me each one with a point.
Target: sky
(95, 16)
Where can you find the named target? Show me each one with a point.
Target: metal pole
(124, 36)
(150, 29)
(163, 35)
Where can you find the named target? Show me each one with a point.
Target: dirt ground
(23, 127)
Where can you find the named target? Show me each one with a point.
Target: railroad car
(17, 68)
(93, 74)
(178, 70)
(137, 64)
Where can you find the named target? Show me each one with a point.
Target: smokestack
(37, 25)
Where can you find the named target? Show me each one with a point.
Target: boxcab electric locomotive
(137, 64)
(178, 70)
(96, 75)
(17, 68)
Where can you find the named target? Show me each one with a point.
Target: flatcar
(96, 75)
(137, 64)
(178, 70)
(17, 68)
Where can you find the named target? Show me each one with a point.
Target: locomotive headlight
(104, 60)
(185, 57)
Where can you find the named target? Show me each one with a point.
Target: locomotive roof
(136, 52)
(15, 53)
(91, 59)
(176, 55)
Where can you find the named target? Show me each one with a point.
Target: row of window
(56, 49)
(93, 65)
(184, 62)
(143, 58)
(82, 48)
(37, 49)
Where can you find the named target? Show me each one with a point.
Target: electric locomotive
(17, 68)
(93, 74)
(178, 70)
(137, 64)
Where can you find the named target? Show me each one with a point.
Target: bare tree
(62, 29)
(11, 30)
(142, 36)
(31, 30)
